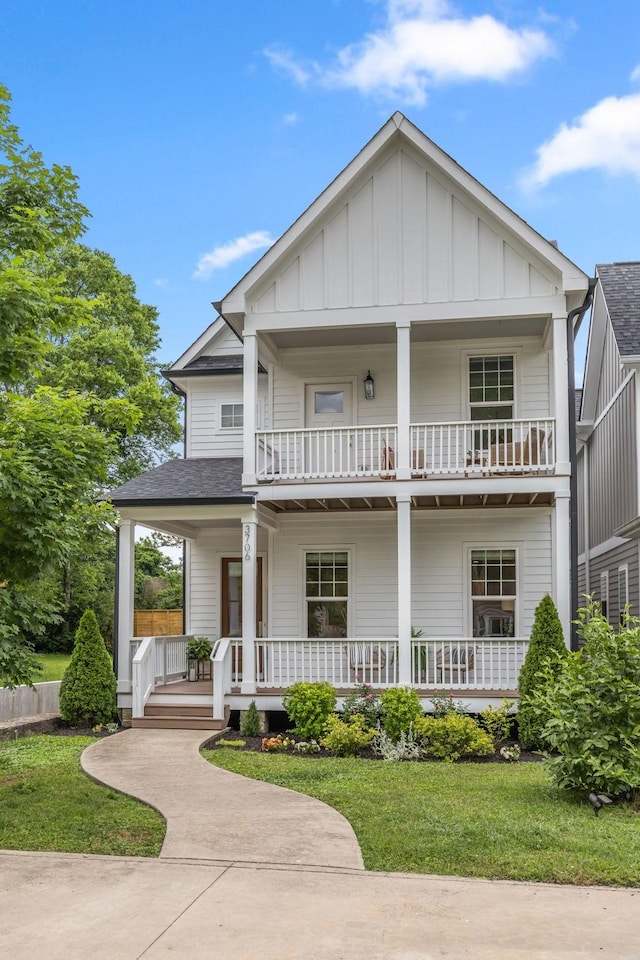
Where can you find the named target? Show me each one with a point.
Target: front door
(328, 450)
(232, 597)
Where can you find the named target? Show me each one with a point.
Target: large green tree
(81, 405)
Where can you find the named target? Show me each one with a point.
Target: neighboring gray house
(608, 448)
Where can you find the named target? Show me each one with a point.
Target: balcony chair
(518, 454)
(456, 662)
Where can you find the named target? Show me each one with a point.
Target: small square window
(231, 416)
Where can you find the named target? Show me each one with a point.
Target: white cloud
(634, 76)
(424, 43)
(607, 137)
(290, 119)
(284, 60)
(227, 253)
(161, 282)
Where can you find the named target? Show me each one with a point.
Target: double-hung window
(493, 592)
(491, 397)
(327, 593)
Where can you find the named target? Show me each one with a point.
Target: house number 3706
(247, 541)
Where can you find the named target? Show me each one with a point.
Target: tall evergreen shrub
(88, 687)
(543, 662)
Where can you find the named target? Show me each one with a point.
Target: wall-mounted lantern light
(369, 386)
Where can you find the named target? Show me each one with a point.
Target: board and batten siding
(611, 374)
(403, 233)
(205, 437)
(612, 469)
(440, 560)
(439, 388)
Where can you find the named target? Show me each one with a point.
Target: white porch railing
(473, 664)
(324, 454)
(143, 674)
(483, 447)
(280, 663)
(170, 657)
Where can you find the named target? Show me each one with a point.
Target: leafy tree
(88, 687)
(158, 580)
(545, 657)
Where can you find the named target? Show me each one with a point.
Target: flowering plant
(510, 752)
(276, 744)
(364, 701)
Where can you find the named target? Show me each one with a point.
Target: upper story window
(493, 592)
(491, 387)
(231, 416)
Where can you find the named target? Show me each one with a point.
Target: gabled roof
(213, 332)
(200, 480)
(206, 366)
(399, 128)
(621, 289)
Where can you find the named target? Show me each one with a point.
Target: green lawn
(47, 803)
(471, 819)
(54, 665)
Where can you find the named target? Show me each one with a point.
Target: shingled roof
(206, 366)
(198, 480)
(621, 288)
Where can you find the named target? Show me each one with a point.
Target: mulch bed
(54, 726)
(254, 744)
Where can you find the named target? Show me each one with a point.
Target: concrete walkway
(212, 814)
(71, 907)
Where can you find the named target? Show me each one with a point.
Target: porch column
(403, 376)
(249, 584)
(403, 502)
(125, 577)
(562, 561)
(250, 401)
(560, 394)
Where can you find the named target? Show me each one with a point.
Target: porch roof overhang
(191, 482)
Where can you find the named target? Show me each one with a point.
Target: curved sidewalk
(212, 814)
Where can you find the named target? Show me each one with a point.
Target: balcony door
(328, 451)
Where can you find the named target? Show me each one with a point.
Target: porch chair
(456, 662)
(364, 659)
(518, 454)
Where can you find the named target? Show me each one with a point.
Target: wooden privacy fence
(29, 701)
(157, 623)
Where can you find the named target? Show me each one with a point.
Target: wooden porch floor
(205, 688)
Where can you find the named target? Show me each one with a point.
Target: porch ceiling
(428, 502)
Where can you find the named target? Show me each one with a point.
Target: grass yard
(54, 665)
(471, 819)
(47, 803)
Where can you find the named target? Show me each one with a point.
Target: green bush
(88, 687)
(592, 710)
(401, 707)
(452, 736)
(497, 721)
(545, 657)
(345, 738)
(250, 724)
(362, 700)
(309, 706)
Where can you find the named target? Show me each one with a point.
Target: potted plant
(198, 658)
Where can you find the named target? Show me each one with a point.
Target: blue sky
(200, 129)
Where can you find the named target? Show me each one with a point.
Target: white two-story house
(376, 477)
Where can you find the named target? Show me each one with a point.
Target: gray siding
(627, 553)
(580, 478)
(612, 469)
(610, 374)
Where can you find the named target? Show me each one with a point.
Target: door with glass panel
(231, 619)
(327, 450)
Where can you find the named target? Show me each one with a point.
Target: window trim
(604, 593)
(506, 351)
(468, 547)
(230, 403)
(623, 569)
(350, 550)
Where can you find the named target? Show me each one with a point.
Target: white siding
(438, 379)
(205, 438)
(403, 233)
(225, 344)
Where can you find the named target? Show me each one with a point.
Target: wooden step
(177, 710)
(179, 723)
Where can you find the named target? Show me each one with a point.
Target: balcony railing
(336, 452)
(472, 448)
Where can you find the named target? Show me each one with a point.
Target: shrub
(511, 752)
(401, 707)
(346, 737)
(545, 656)
(593, 709)
(497, 722)
(306, 746)
(309, 706)
(88, 687)
(362, 700)
(446, 704)
(453, 736)
(250, 723)
(407, 747)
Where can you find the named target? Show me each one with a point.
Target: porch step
(179, 723)
(178, 710)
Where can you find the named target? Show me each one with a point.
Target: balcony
(458, 449)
